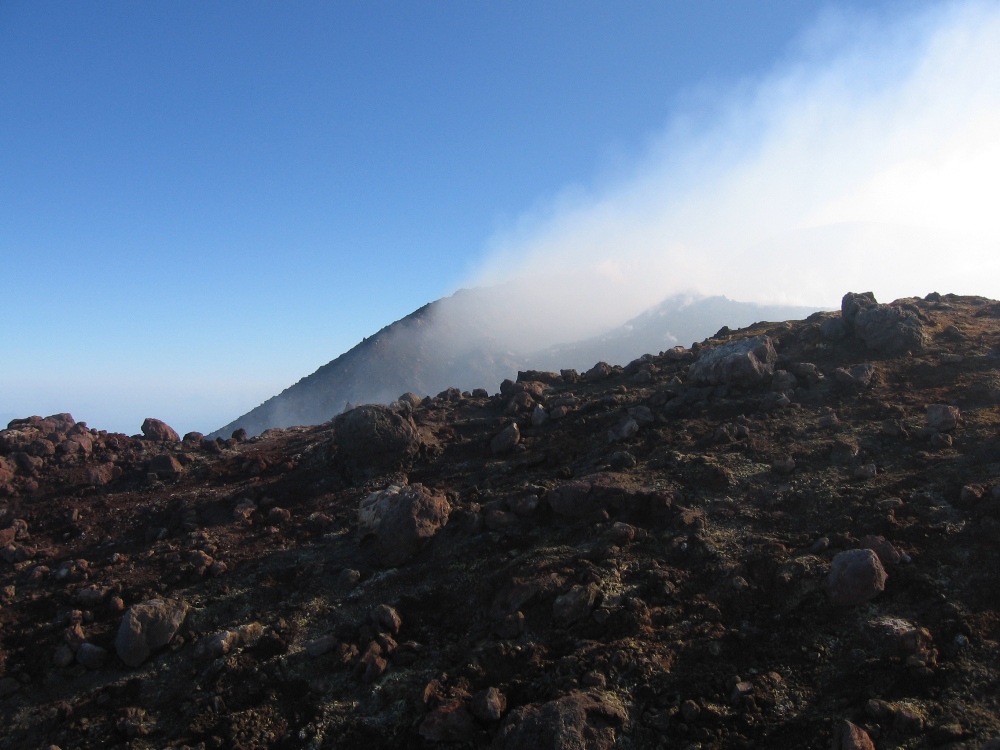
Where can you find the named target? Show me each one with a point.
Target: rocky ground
(787, 536)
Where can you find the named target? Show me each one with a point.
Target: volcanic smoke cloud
(868, 160)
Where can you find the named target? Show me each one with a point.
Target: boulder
(505, 440)
(402, 520)
(850, 736)
(853, 303)
(744, 362)
(856, 576)
(575, 605)
(888, 329)
(154, 429)
(578, 721)
(942, 418)
(147, 627)
(165, 466)
(373, 438)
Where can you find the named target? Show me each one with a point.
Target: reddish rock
(850, 736)
(505, 440)
(165, 466)
(450, 722)
(154, 429)
(488, 705)
(887, 554)
(856, 576)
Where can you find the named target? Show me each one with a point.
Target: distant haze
(869, 159)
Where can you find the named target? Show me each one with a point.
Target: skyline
(204, 205)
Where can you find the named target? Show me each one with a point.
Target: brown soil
(686, 591)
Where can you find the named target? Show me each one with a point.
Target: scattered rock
(147, 627)
(584, 721)
(402, 519)
(744, 362)
(91, 656)
(851, 737)
(856, 576)
(154, 429)
(942, 418)
(488, 705)
(505, 440)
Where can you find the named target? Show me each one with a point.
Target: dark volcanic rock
(744, 362)
(373, 438)
(856, 576)
(888, 329)
(403, 520)
(147, 627)
(578, 721)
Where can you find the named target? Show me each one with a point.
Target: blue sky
(201, 203)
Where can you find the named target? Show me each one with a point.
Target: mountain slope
(476, 338)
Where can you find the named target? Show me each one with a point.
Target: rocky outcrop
(745, 362)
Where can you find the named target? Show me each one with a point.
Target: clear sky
(201, 203)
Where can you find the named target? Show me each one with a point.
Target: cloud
(869, 158)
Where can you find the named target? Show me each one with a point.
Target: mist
(868, 159)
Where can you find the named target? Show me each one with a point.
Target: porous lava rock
(402, 520)
(373, 438)
(578, 721)
(147, 627)
(744, 362)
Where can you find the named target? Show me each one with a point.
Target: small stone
(165, 466)
(621, 460)
(91, 656)
(63, 656)
(575, 604)
(690, 711)
(865, 471)
(376, 667)
(783, 466)
(740, 689)
(450, 722)
(941, 440)
(539, 416)
(488, 705)
(321, 646)
(147, 627)
(907, 720)
(387, 618)
(218, 644)
(349, 578)
(887, 554)
(506, 439)
(278, 515)
(856, 576)
(622, 533)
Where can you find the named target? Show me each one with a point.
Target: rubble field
(786, 536)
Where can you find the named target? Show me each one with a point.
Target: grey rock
(889, 329)
(91, 656)
(853, 303)
(744, 362)
(942, 418)
(488, 705)
(147, 627)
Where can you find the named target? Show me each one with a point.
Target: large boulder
(852, 304)
(893, 330)
(154, 429)
(744, 362)
(402, 520)
(147, 627)
(374, 438)
(578, 721)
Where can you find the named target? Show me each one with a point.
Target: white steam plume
(869, 160)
